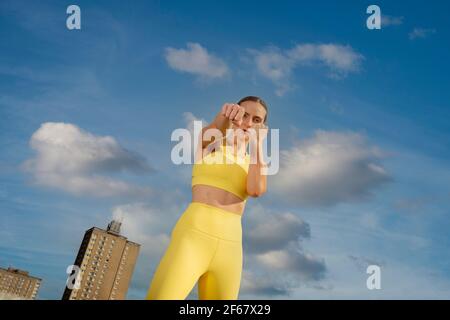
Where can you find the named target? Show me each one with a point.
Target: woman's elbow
(255, 193)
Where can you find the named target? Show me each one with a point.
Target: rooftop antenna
(114, 226)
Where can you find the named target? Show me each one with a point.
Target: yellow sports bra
(223, 170)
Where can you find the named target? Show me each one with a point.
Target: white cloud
(387, 21)
(272, 64)
(196, 60)
(275, 231)
(420, 33)
(145, 224)
(189, 119)
(399, 280)
(76, 161)
(305, 265)
(150, 225)
(273, 250)
(277, 65)
(356, 245)
(338, 58)
(253, 284)
(329, 168)
(184, 172)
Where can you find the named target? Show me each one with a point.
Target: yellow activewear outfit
(206, 242)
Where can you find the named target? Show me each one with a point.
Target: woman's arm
(229, 113)
(256, 179)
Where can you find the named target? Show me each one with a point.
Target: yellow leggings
(205, 246)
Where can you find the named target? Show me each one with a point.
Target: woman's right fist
(233, 112)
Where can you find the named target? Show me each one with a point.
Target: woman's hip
(211, 220)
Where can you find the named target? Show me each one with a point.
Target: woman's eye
(245, 115)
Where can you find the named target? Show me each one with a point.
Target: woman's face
(253, 118)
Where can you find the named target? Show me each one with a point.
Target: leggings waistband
(211, 220)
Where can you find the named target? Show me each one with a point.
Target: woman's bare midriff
(218, 198)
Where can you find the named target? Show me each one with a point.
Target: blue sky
(86, 117)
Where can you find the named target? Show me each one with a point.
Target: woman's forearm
(221, 123)
(256, 178)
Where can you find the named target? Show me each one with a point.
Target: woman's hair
(255, 99)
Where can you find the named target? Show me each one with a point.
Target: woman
(206, 242)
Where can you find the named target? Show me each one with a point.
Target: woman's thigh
(185, 260)
(223, 278)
